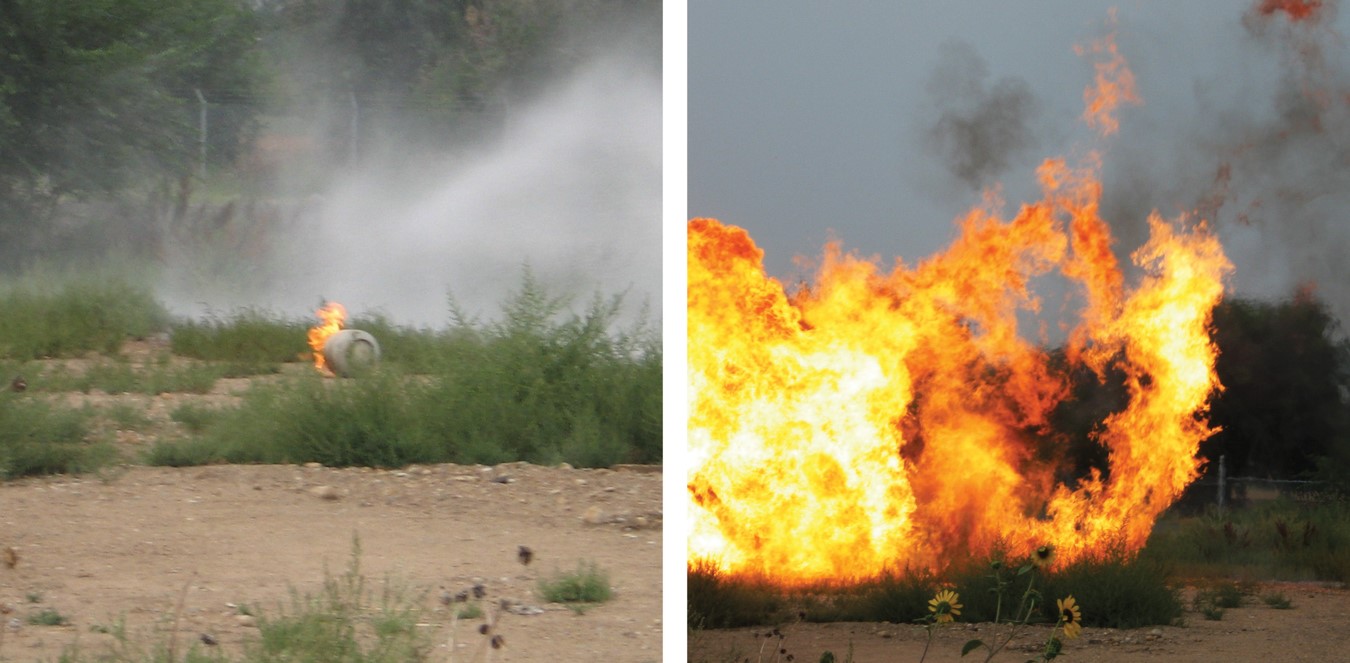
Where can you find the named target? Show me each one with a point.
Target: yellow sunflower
(1070, 617)
(1044, 556)
(944, 606)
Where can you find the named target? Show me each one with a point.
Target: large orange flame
(331, 318)
(880, 420)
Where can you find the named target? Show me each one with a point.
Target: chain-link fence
(1216, 488)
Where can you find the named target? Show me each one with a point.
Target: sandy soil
(1315, 629)
(127, 544)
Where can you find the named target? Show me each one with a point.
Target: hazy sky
(880, 122)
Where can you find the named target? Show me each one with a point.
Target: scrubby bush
(66, 316)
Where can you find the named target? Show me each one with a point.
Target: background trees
(94, 93)
(99, 99)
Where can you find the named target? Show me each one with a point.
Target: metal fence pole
(201, 122)
(1222, 488)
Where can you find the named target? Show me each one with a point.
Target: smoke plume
(1265, 161)
(980, 126)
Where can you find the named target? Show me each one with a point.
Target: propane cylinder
(351, 351)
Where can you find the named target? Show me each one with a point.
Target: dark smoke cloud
(980, 128)
(1268, 165)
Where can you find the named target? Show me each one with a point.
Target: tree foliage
(1286, 373)
(95, 93)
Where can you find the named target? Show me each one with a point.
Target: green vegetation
(542, 384)
(1279, 540)
(539, 385)
(344, 621)
(48, 617)
(120, 376)
(250, 341)
(717, 600)
(587, 584)
(1116, 592)
(67, 315)
(39, 438)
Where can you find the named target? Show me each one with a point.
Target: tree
(1286, 373)
(97, 93)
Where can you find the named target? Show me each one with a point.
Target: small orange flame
(331, 318)
(1298, 10)
(1113, 86)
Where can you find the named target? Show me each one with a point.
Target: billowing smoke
(1264, 155)
(570, 188)
(980, 127)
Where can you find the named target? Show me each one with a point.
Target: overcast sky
(879, 123)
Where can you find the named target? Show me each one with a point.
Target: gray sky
(879, 123)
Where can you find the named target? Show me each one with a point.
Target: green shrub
(540, 386)
(48, 617)
(587, 584)
(194, 416)
(1115, 591)
(37, 438)
(1278, 540)
(250, 340)
(343, 622)
(718, 600)
(182, 453)
(367, 422)
(69, 316)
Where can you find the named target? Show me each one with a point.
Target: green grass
(194, 416)
(48, 617)
(1278, 540)
(1115, 592)
(65, 315)
(587, 584)
(39, 438)
(344, 621)
(250, 341)
(719, 600)
(120, 376)
(1277, 600)
(540, 385)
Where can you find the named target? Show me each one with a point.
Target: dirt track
(126, 544)
(1316, 629)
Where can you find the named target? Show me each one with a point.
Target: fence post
(355, 129)
(201, 123)
(1222, 488)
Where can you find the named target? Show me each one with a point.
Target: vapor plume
(569, 188)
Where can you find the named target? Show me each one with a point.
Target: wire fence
(1219, 489)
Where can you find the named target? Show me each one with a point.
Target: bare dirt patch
(1315, 629)
(124, 545)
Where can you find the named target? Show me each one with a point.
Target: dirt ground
(128, 543)
(1315, 629)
